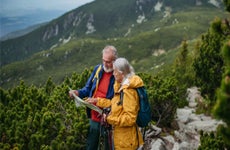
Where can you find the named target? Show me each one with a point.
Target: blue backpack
(144, 114)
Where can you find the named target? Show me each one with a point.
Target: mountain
(147, 32)
(116, 19)
(21, 32)
(25, 19)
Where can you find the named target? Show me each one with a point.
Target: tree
(208, 66)
(181, 59)
(222, 106)
(183, 72)
(227, 5)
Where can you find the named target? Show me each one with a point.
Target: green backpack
(144, 114)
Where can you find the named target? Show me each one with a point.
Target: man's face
(107, 60)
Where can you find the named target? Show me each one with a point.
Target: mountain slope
(150, 45)
(149, 51)
(19, 33)
(100, 19)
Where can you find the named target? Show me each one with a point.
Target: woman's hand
(91, 100)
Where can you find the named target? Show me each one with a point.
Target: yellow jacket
(122, 117)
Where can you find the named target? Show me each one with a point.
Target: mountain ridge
(90, 20)
(25, 19)
(18, 33)
(150, 45)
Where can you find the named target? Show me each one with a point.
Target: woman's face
(118, 75)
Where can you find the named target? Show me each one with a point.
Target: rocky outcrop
(187, 136)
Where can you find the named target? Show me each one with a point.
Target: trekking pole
(107, 128)
(110, 138)
(100, 137)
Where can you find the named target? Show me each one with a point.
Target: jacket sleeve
(126, 114)
(85, 91)
(103, 102)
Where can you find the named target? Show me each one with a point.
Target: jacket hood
(133, 81)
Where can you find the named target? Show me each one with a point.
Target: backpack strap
(121, 98)
(97, 73)
(96, 76)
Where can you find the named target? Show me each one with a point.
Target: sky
(16, 14)
(18, 7)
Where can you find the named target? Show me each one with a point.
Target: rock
(185, 146)
(183, 114)
(193, 94)
(157, 145)
(206, 126)
(188, 125)
(176, 146)
(192, 104)
(153, 131)
(169, 141)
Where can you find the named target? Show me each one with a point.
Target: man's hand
(71, 93)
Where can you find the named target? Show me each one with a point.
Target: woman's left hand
(91, 100)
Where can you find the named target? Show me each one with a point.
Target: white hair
(110, 48)
(123, 66)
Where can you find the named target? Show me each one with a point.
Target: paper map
(80, 102)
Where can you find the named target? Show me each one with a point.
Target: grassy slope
(138, 47)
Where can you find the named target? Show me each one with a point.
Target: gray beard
(107, 69)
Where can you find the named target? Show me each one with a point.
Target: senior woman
(123, 114)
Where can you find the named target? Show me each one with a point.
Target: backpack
(144, 113)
